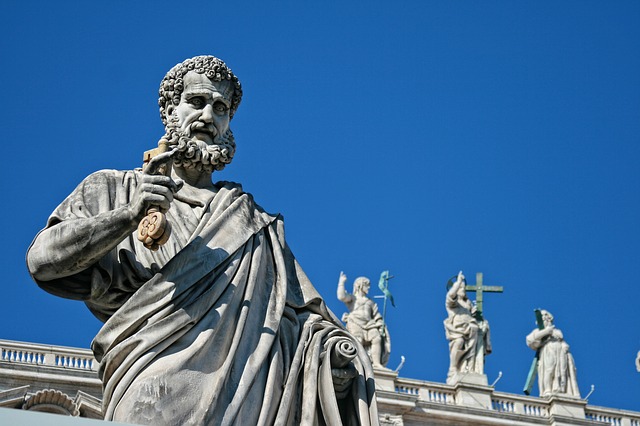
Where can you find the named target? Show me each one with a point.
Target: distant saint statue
(638, 362)
(556, 368)
(364, 320)
(483, 346)
(467, 332)
(208, 317)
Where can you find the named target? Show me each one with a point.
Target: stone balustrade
(525, 408)
(613, 417)
(470, 400)
(53, 356)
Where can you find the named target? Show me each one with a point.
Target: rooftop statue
(555, 367)
(467, 332)
(364, 320)
(208, 317)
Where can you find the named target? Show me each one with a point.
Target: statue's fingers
(177, 185)
(159, 160)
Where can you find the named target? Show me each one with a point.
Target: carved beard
(196, 154)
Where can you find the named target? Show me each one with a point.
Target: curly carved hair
(172, 85)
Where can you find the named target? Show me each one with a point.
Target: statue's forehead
(199, 83)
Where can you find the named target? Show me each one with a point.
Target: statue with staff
(553, 363)
(466, 328)
(364, 320)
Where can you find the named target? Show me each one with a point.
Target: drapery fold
(219, 327)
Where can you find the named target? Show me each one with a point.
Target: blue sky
(422, 137)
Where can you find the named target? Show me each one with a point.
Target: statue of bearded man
(219, 325)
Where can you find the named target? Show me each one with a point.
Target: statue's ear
(169, 111)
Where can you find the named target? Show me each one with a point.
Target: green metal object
(533, 371)
(479, 289)
(383, 285)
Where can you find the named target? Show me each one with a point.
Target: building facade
(63, 380)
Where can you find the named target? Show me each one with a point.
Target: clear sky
(422, 137)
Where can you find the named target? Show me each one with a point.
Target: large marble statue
(556, 368)
(220, 325)
(469, 337)
(364, 320)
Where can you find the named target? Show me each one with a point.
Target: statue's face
(203, 112)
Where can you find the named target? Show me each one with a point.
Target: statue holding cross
(466, 328)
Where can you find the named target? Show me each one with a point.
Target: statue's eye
(197, 102)
(220, 108)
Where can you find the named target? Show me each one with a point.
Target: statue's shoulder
(234, 190)
(230, 186)
(110, 174)
(108, 178)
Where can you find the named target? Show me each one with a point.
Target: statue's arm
(536, 339)
(452, 294)
(75, 243)
(533, 341)
(342, 293)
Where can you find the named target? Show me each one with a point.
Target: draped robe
(460, 324)
(220, 326)
(556, 367)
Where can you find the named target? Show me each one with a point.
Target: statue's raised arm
(364, 320)
(461, 330)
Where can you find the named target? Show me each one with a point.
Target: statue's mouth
(206, 137)
(203, 132)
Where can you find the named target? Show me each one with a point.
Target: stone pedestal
(469, 378)
(565, 407)
(385, 379)
(472, 390)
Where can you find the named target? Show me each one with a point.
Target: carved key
(154, 229)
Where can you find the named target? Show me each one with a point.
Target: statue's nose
(207, 114)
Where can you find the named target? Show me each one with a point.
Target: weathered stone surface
(556, 368)
(401, 401)
(218, 324)
(364, 320)
(468, 336)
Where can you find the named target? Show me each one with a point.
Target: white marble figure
(364, 320)
(556, 368)
(219, 325)
(469, 338)
(638, 362)
(483, 345)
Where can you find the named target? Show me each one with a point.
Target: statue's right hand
(343, 278)
(152, 191)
